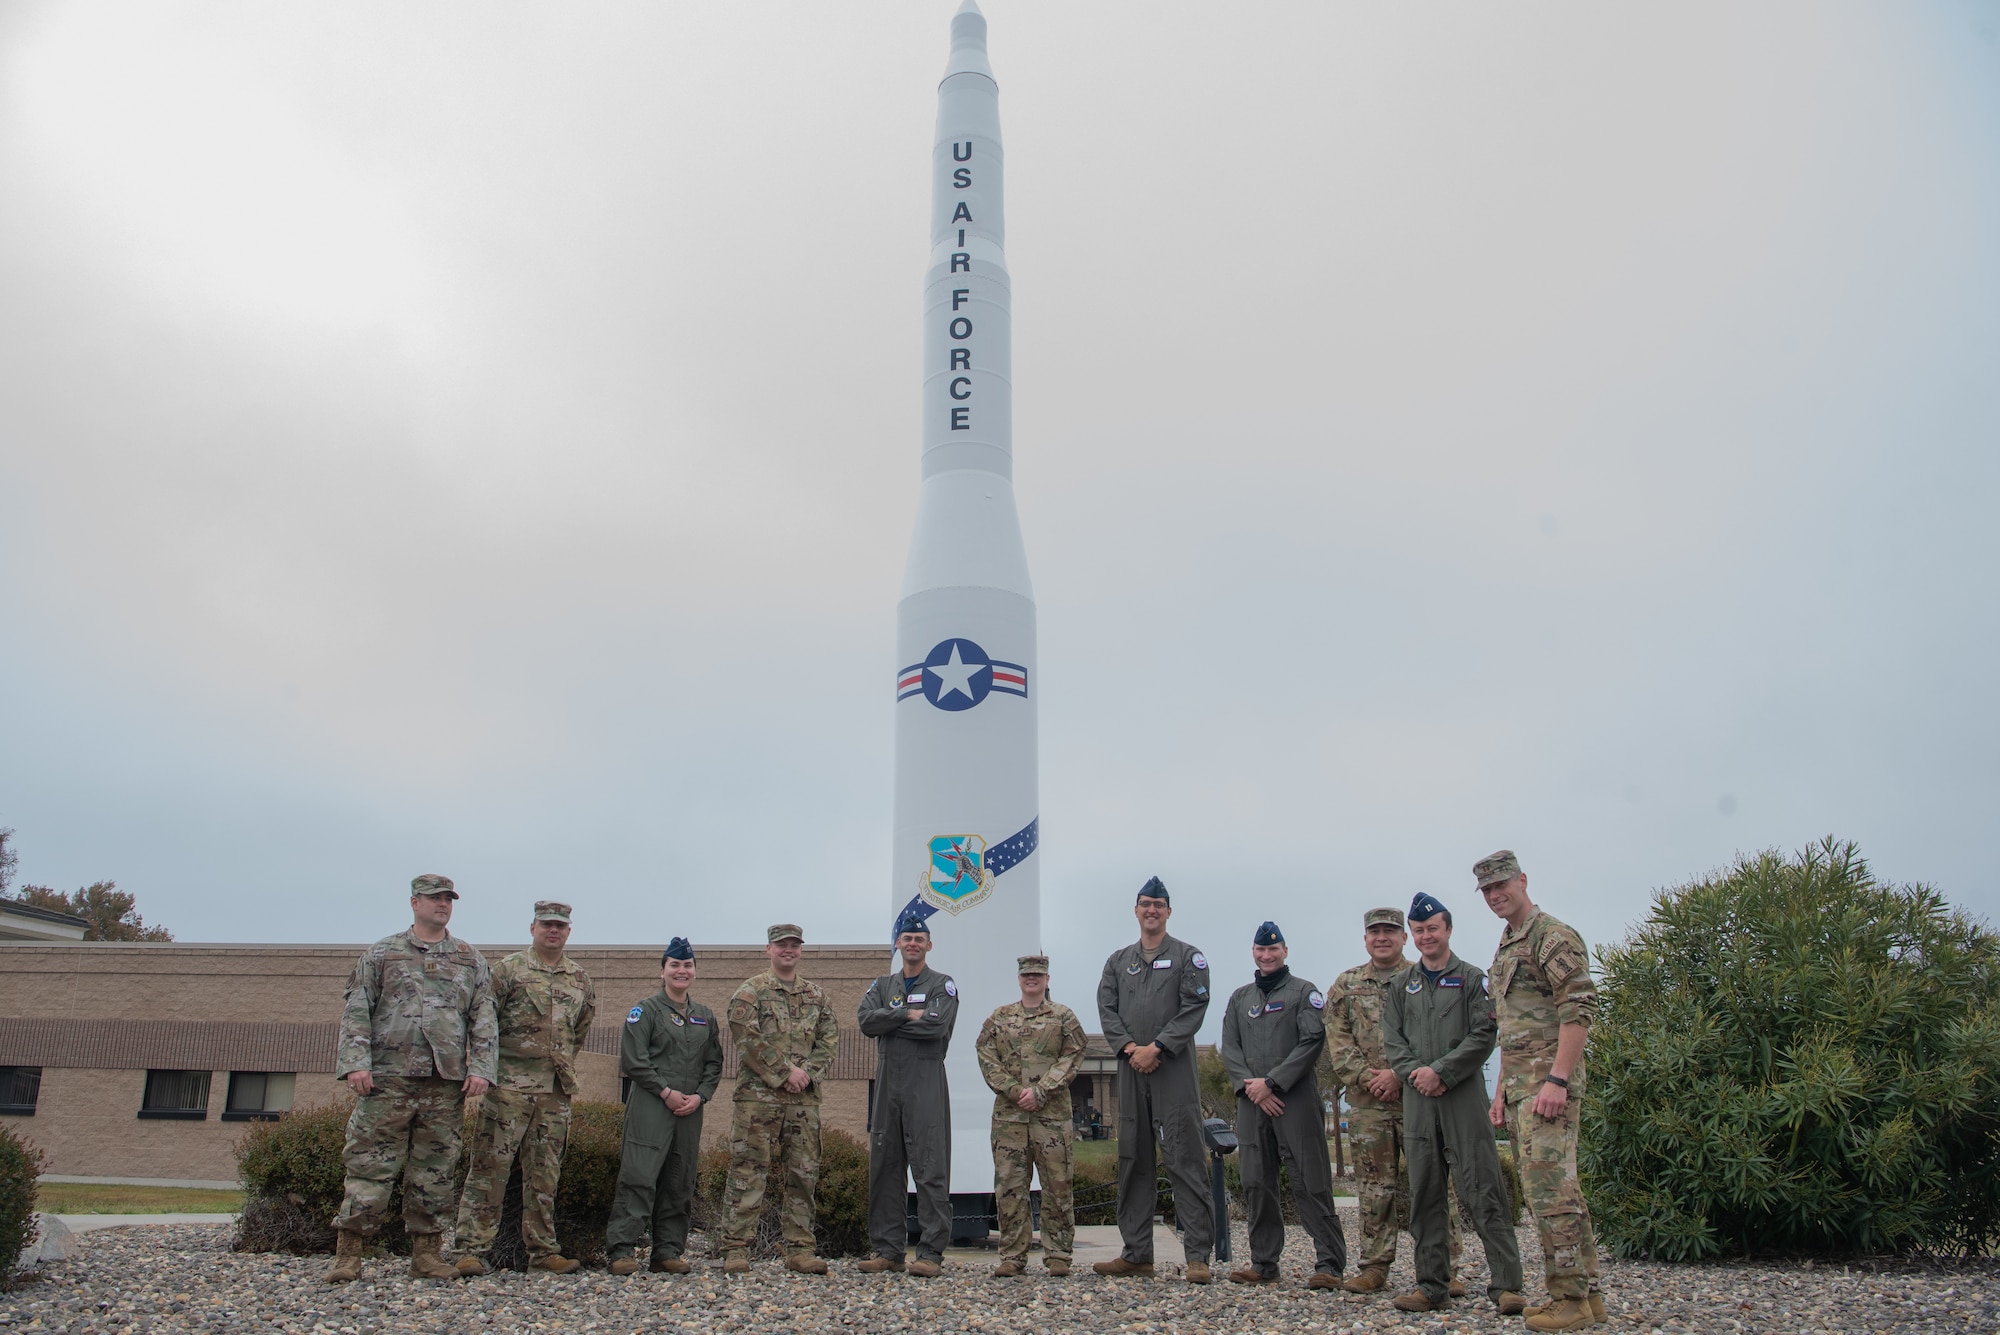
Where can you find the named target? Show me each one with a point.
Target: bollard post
(1221, 1140)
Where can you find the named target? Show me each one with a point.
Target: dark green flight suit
(1448, 1025)
(1160, 1002)
(1277, 1035)
(665, 1047)
(909, 1126)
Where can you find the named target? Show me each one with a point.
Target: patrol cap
(912, 921)
(677, 949)
(1154, 889)
(1496, 867)
(1381, 918)
(430, 883)
(1032, 964)
(1424, 907)
(1268, 935)
(782, 930)
(550, 910)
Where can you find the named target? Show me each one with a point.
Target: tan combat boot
(736, 1262)
(1416, 1300)
(671, 1265)
(881, 1265)
(555, 1263)
(470, 1265)
(1568, 1314)
(924, 1269)
(1456, 1288)
(805, 1263)
(1009, 1269)
(425, 1262)
(1320, 1279)
(1368, 1279)
(1198, 1273)
(1121, 1266)
(1250, 1274)
(1597, 1307)
(1510, 1303)
(346, 1267)
(624, 1265)
(1057, 1266)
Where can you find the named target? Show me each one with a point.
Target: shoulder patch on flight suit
(1317, 1001)
(950, 988)
(637, 1013)
(1198, 960)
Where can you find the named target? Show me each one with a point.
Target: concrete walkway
(90, 1223)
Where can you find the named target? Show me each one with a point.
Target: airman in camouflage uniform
(545, 1003)
(1356, 1063)
(416, 1037)
(1545, 1001)
(784, 1033)
(1029, 1051)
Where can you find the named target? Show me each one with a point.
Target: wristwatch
(1555, 1080)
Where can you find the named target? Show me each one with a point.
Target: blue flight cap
(912, 921)
(1424, 906)
(677, 949)
(1154, 889)
(1268, 935)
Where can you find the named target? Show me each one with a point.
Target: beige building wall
(95, 1016)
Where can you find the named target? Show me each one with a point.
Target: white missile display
(967, 811)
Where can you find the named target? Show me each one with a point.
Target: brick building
(137, 1059)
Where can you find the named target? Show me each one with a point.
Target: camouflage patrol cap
(430, 883)
(781, 931)
(549, 910)
(1496, 867)
(1382, 918)
(1032, 964)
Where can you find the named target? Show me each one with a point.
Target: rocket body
(966, 808)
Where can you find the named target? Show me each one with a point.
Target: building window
(20, 1088)
(259, 1096)
(176, 1094)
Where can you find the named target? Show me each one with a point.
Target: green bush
(20, 1165)
(1793, 1056)
(293, 1182)
(840, 1201)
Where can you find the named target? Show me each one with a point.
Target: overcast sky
(483, 439)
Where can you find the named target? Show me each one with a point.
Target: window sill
(244, 1116)
(174, 1114)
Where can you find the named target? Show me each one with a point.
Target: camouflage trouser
(761, 1135)
(1382, 1182)
(413, 1120)
(535, 1126)
(1545, 1153)
(1044, 1147)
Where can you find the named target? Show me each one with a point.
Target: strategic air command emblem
(957, 877)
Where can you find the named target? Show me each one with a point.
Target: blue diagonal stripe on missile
(1003, 856)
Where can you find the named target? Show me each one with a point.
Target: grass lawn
(107, 1198)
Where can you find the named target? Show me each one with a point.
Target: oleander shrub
(1793, 1056)
(20, 1166)
(840, 1201)
(293, 1180)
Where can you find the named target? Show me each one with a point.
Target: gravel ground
(184, 1278)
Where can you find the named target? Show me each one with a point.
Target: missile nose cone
(968, 42)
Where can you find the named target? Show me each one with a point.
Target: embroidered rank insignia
(1317, 1001)
(950, 988)
(638, 1013)
(1199, 960)
(1451, 982)
(1416, 986)
(1163, 964)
